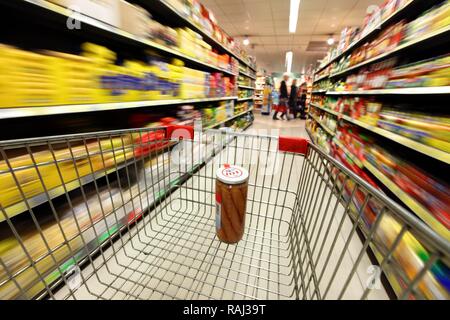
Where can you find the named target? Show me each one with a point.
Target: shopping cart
(132, 217)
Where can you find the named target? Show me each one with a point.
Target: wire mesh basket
(130, 215)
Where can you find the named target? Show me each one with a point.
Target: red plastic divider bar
(293, 144)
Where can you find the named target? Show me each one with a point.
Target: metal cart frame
(152, 233)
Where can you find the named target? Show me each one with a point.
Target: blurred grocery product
(379, 108)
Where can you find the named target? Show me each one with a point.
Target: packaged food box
(103, 10)
(134, 19)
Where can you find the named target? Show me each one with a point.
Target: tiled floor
(289, 128)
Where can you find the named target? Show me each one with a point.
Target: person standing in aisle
(293, 98)
(283, 98)
(302, 91)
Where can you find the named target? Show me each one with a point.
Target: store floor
(294, 127)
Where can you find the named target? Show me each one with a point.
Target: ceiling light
(246, 41)
(289, 56)
(293, 15)
(330, 41)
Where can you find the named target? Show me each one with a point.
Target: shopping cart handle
(293, 144)
(180, 132)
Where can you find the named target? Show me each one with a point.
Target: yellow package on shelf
(185, 42)
(27, 78)
(151, 92)
(100, 54)
(100, 156)
(132, 70)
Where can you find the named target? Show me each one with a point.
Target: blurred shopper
(293, 98)
(301, 101)
(283, 98)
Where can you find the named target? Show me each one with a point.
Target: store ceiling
(266, 22)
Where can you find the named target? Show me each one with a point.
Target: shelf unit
(399, 91)
(45, 8)
(412, 144)
(53, 276)
(394, 17)
(347, 152)
(245, 99)
(246, 87)
(324, 127)
(310, 135)
(416, 207)
(41, 198)
(246, 127)
(50, 13)
(422, 40)
(321, 78)
(20, 112)
(229, 119)
(325, 109)
(411, 9)
(22, 206)
(247, 75)
(164, 9)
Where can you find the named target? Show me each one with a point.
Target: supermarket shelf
(412, 144)
(229, 119)
(416, 207)
(41, 198)
(164, 9)
(443, 33)
(324, 127)
(246, 87)
(319, 91)
(396, 286)
(247, 75)
(245, 99)
(321, 78)
(247, 126)
(310, 135)
(325, 109)
(19, 112)
(355, 160)
(53, 276)
(406, 91)
(17, 208)
(113, 32)
(394, 17)
(387, 269)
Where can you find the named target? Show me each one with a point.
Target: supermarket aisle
(289, 128)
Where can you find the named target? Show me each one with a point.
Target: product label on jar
(232, 172)
(218, 215)
(218, 211)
